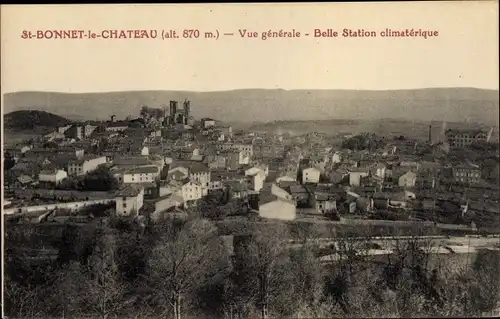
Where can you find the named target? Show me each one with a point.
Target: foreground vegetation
(184, 268)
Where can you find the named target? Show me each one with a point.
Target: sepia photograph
(250, 160)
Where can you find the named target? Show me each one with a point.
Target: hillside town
(167, 162)
(142, 194)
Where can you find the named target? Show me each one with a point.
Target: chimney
(113, 118)
(430, 133)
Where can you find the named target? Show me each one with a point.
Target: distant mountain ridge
(32, 119)
(262, 105)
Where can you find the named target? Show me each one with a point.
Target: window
(124, 205)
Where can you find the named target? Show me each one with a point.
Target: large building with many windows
(464, 138)
(467, 173)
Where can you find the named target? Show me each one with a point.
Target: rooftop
(130, 190)
(143, 170)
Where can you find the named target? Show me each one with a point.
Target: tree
(8, 163)
(103, 283)
(261, 268)
(188, 253)
(100, 179)
(307, 274)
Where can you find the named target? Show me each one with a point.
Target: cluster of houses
(168, 162)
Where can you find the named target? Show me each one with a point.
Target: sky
(465, 54)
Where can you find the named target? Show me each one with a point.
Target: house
(466, 173)
(141, 174)
(232, 159)
(256, 168)
(129, 200)
(85, 165)
(207, 123)
(144, 151)
(246, 149)
(201, 174)
(216, 161)
(355, 176)
(236, 189)
(410, 164)
(300, 195)
(283, 177)
(400, 199)
(379, 201)
(151, 190)
(227, 130)
(178, 173)
(164, 204)
(337, 177)
(24, 180)
(310, 175)
(255, 179)
(71, 151)
(62, 129)
(350, 205)
(275, 207)
(389, 150)
(465, 137)
(215, 182)
(88, 130)
(408, 179)
(191, 192)
(336, 158)
(379, 170)
(118, 126)
(324, 203)
(52, 177)
(130, 161)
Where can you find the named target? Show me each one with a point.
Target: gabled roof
(143, 170)
(312, 168)
(268, 197)
(294, 189)
(198, 168)
(24, 179)
(130, 190)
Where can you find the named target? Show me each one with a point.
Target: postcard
(250, 160)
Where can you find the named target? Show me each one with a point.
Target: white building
(178, 173)
(275, 207)
(380, 170)
(52, 176)
(201, 175)
(408, 179)
(89, 129)
(256, 168)
(356, 175)
(310, 175)
(256, 180)
(129, 200)
(63, 129)
(141, 174)
(145, 151)
(190, 191)
(336, 158)
(85, 165)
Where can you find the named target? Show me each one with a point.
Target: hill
(32, 119)
(259, 105)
